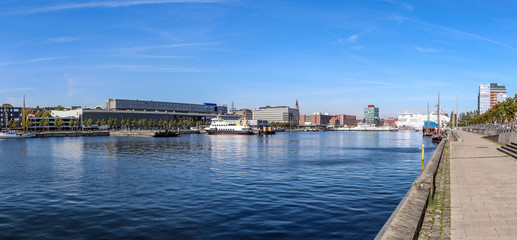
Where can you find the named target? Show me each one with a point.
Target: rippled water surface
(327, 185)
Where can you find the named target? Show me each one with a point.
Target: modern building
(140, 105)
(334, 121)
(489, 95)
(281, 114)
(136, 109)
(13, 113)
(244, 113)
(371, 115)
(347, 120)
(388, 122)
(304, 120)
(320, 119)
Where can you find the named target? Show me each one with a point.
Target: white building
(417, 121)
(277, 114)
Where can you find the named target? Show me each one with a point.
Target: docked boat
(166, 133)
(9, 134)
(229, 127)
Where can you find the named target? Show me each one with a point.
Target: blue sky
(331, 56)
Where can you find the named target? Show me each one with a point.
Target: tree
(134, 123)
(29, 124)
(58, 123)
(77, 123)
(103, 122)
(88, 122)
(150, 123)
(59, 108)
(71, 124)
(46, 114)
(115, 123)
(191, 123)
(38, 114)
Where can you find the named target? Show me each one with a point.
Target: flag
(436, 106)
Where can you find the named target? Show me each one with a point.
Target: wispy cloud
(143, 48)
(31, 61)
(367, 81)
(355, 37)
(16, 90)
(427, 50)
(145, 68)
(135, 52)
(107, 4)
(452, 30)
(62, 39)
(408, 7)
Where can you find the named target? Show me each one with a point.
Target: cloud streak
(107, 4)
(31, 61)
(16, 90)
(427, 50)
(145, 68)
(355, 37)
(62, 39)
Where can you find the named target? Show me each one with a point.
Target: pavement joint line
(479, 157)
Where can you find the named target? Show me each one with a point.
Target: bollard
(422, 156)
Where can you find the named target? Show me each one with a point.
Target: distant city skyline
(331, 56)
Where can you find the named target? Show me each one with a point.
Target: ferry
(229, 127)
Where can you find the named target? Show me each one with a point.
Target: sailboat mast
(439, 113)
(24, 121)
(428, 117)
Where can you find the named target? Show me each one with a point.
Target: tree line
(499, 113)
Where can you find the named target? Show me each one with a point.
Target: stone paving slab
(483, 190)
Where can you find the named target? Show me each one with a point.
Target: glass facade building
(371, 115)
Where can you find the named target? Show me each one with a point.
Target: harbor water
(302, 185)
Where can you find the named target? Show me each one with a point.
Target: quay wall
(406, 220)
(73, 134)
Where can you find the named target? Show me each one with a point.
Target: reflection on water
(315, 185)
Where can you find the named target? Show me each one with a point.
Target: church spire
(297, 107)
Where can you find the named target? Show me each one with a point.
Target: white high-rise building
(489, 95)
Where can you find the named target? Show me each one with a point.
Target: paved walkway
(483, 190)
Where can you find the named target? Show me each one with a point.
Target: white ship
(12, 134)
(417, 121)
(229, 127)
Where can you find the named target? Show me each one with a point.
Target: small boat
(9, 134)
(166, 133)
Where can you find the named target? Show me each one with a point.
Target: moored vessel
(228, 127)
(9, 134)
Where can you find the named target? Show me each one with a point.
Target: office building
(371, 115)
(139, 105)
(347, 120)
(280, 114)
(13, 113)
(320, 119)
(489, 95)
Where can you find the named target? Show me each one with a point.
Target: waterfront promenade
(483, 190)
